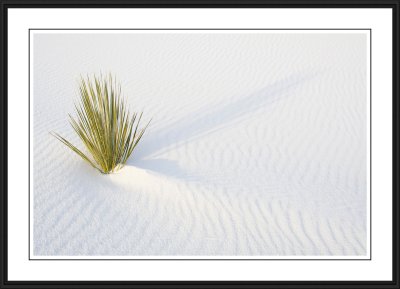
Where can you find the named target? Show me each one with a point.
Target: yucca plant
(107, 129)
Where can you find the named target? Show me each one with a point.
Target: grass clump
(107, 129)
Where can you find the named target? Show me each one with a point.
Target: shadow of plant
(208, 120)
(162, 166)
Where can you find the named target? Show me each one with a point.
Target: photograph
(199, 144)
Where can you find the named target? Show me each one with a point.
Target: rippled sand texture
(257, 146)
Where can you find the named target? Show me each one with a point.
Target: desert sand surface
(257, 147)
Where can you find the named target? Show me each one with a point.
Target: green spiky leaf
(103, 123)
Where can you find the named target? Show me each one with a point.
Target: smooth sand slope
(257, 147)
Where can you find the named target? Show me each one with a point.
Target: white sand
(257, 146)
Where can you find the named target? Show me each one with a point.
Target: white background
(20, 20)
(316, 168)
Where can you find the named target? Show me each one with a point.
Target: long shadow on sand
(207, 120)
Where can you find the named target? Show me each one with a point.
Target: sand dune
(257, 146)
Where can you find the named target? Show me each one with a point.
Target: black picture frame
(6, 4)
